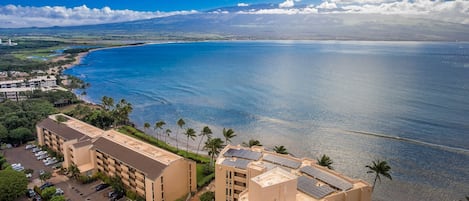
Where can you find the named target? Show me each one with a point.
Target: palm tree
(379, 168)
(146, 126)
(190, 133)
(168, 132)
(280, 149)
(251, 143)
(213, 146)
(228, 134)
(181, 124)
(107, 102)
(159, 125)
(325, 161)
(205, 132)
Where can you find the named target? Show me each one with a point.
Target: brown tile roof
(61, 129)
(82, 144)
(150, 167)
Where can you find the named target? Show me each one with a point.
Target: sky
(44, 13)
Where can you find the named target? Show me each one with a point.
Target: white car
(29, 175)
(43, 156)
(40, 153)
(59, 191)
(35, 150)
(51, 162)
(30, 146)
(48, 159)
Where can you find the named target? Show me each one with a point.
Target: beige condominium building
(254, 174)
(151, 172)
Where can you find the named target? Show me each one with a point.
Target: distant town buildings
(8, 43)
(254, 174)
(15, 89)
(151, 172)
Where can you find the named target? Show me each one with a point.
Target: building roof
(82, 144)
(61, 129)
(150, 167)
(273, 177)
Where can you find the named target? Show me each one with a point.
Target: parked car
(30, 193)
(116, 196)
(29, 175)
(51, 162)
(34, 150)
(48, 159)
(41, 172)
(17, 166)
(101, 186)
(43, 156)
(37, 198)
(40, 153)
(59, 191)
(45, 185)
(30, 146)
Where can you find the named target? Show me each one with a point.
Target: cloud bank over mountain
(455, 11)
(12, 16)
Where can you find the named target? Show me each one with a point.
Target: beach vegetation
(379, 168)
(280, 149)
(251, 143)
(190, 134)
(325, 161)
(57, 198)
(181, 124)
(159, 128)
(228, 134)
(206, 132)
(213, 146)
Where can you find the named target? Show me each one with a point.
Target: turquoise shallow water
(408, 101)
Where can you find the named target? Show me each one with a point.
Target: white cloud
(12, 16)
(286, 4)
(452, 11)
(242, 4)
(290, 11)
(327, 5)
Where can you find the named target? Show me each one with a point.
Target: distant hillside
(228, 23)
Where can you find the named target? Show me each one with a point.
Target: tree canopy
(12, 184)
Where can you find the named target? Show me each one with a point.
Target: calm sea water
(408, 101)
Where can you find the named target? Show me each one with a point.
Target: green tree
(146, 126)
(107, 102)
(280, 149)
(205, 132)
(213, 146)
(116, 184)
(325, 161)
(208, 196)
(3, 133)
(44, 177)
(181, 124)
(57, 198)
(159, 125)
(48, 192)
(21, 134)
(13, 184)
(190, 133)
(74, 171)
(252, 143)
(379, 168)
(228, 134)
(168, 132)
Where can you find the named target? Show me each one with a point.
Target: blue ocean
(403, 102)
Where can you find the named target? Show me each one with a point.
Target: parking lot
(73, 190)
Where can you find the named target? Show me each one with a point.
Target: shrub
(208, 196)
